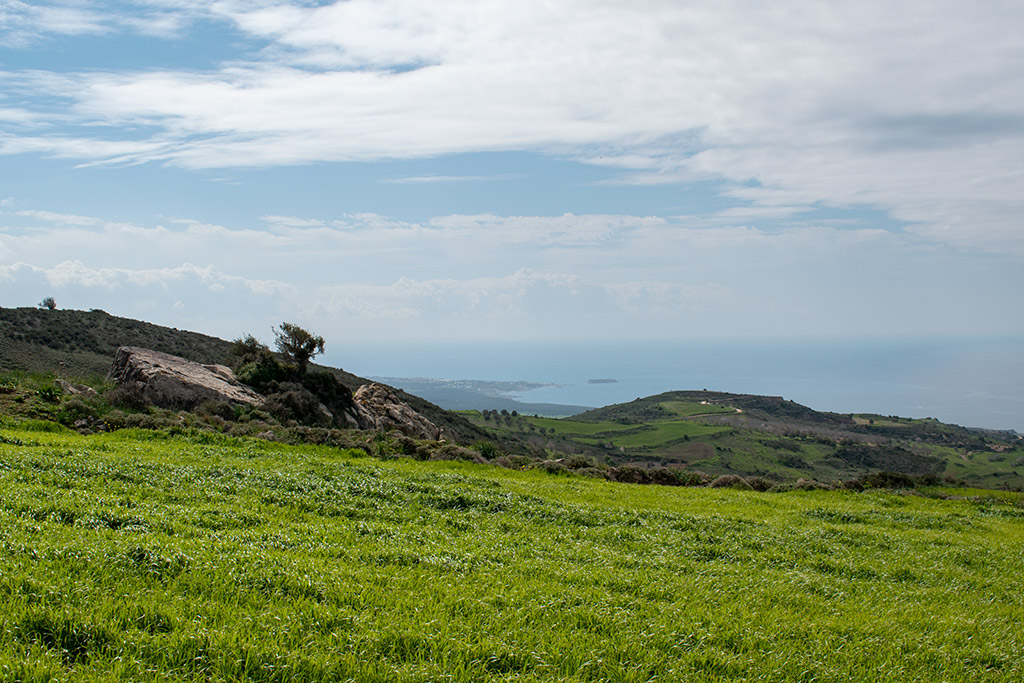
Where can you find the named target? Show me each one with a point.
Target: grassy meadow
(767, 437)
(140, 556)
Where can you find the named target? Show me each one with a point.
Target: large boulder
(173, 382)
(379, 408)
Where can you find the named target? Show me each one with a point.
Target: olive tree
(297, 344)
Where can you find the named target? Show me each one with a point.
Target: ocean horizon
(969, 383)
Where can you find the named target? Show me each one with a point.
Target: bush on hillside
(450, 451)
(577, 462)
(212, 407)
(293, 402)
(128, 397)
(759, 483)
(731, 481)
(692, 478)
(249, 349)
(593, 472)
(261, 374)
(630, 474)
(663, 476)
(487, 449)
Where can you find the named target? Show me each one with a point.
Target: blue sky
(520, 170)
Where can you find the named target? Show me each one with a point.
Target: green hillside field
(715, 434)
(141, 556)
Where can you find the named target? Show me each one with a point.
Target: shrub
(114, 419)
(49, 394)
(888, 480)
(402, 444)
(551, 467)
(758, 483)
(692, 478)
(664, 476)
(630, 474)
(262, 373)
(249, 349)
(593, 472)
(128, 397)
(295, 402)
(520, 461)
(75, 409)
(212, 407)
(577, 462)
(793, 461)
(733, 481)
(450, 451)
(487, 449)
(142, 421)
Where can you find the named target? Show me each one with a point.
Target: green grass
(649, 435)
(689, 408)
(136, 556)
(563, 427)
(661, 433)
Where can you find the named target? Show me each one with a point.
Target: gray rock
(173, 382)
(75, 389)
(379, 408)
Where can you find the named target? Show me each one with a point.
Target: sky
(519, 170)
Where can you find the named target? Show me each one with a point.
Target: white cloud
(293, 221)
(23, 24)
(914, 110)
(60, 218)
(73, 274)
(429, 179)
(509, 277)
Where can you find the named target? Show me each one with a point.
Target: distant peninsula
(602, 381)
(472, 394)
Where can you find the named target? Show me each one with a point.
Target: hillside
(81, 345)
(141, 556)
(671, 436)
(680, 437)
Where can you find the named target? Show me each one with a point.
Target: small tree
(249, 349)
(254, 363)
(297, 344)
(48, 303)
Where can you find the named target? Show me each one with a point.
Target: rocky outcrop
(173, 382)
(379, 408)
(75, 389)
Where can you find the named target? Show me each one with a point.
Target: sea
(971, 383)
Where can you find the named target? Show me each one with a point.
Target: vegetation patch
(136, 556)
(691, 408)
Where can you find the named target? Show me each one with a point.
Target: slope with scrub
(718, 433)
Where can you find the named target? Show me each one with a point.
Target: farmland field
(688, 408)
(575, 428)
(137, 555)
(660, 433)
